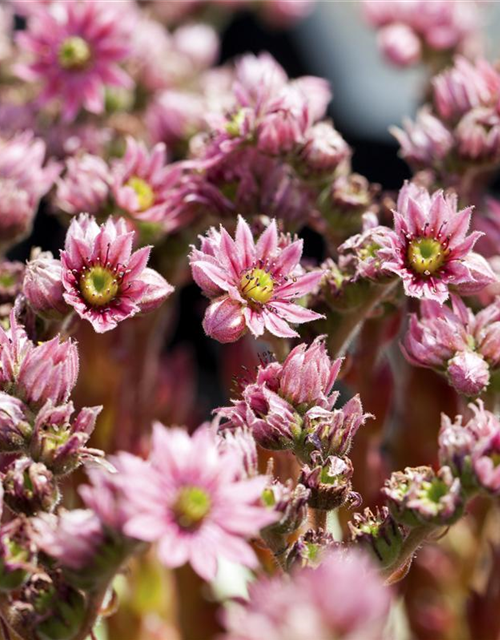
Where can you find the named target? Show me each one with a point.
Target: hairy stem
(412, 542)
(317, 518)
(344, 326)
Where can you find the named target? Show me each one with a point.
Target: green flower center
(145, 194)
(74, 53)
(433, 492)
(426, 256)
(98, 286)
(257, 285)
(191, 507)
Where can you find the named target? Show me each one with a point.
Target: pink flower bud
(43, 286)
(224, 320)
(469, 373)
(29, 487)
(400, 45)
(49, 372)
(325, 149)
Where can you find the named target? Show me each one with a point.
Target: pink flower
(142, 181)
(85, 185)
(465, 86)
(258, 282)
(72, 537)
(192, 501)
(102, 277)
(75, 50)
(430, 249)
(455, 341)
(344, 598)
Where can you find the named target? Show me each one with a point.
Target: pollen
(99, 286)
(257, 286)
(426, 255)
(74, 54)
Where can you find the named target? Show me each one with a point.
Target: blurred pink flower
(344, 598)
(75, 50)
(258, 282)
(192, 501)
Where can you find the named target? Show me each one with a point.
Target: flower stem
(317, 517)
(345, 325)
(415, 539)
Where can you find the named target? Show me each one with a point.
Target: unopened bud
(29, 487)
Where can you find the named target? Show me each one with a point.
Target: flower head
(141, 182)
(75, 53)
(429, 248)
(102, 277)
(419, 495)
(457, 342)
(192, 501)
(342, 598)
(261, 280)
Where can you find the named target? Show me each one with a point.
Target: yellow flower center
(99, 286)
(74, 53)
(426, 256)
(145, 194)
(191, 507)
(257, 285)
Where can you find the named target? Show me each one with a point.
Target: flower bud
(324, 150)
(332, 432)
(329, 482)
(49, 372)
(43, 286)
(15, 429)
(308, 550)
(58, 441)
(29, 487)
(420, 496)
(469, 373)
(156, 292)
(48, 609)
(378, 533)
(17, 554)
(400, 45)
(485, 464)
(290, 504)
(224, 320)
